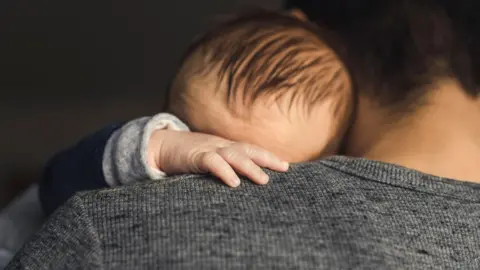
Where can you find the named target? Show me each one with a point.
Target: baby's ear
(298, 14)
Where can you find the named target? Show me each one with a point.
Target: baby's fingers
(263, 157)
(213, 163)
(242, 164)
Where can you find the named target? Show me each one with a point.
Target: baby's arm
(152, 148)
(106, 158)
(176, 152)
(162, 145)
(149, 148)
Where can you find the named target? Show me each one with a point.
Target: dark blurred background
(69, 67)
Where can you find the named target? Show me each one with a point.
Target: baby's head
(267, 79)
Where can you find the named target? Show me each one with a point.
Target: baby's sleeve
(125, 155)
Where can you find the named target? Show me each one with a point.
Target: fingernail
(285, 165)
(236, 182)
(266, 179)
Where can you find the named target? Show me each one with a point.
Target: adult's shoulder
(196, 221)
(300, 177)
(200, 198)
(337, 213)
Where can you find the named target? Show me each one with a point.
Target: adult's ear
(297, 13)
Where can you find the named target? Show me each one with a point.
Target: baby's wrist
(155, 148)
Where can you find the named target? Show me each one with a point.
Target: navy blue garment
(75, 169)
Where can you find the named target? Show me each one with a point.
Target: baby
(265, 85)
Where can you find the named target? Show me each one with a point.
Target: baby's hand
(176, 152)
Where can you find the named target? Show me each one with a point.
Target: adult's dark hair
(397, 48)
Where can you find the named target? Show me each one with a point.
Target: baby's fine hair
(267, 54)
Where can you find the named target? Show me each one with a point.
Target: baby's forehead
(291, 106)
(274, 126)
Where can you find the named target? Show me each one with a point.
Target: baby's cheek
(310, 143)
(300, 151)
(294, 142)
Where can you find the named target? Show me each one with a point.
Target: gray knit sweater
(339, 213)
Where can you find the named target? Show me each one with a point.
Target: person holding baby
(363, 113)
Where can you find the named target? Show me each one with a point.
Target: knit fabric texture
(339, 213)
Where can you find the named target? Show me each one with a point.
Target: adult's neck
(441, 138)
